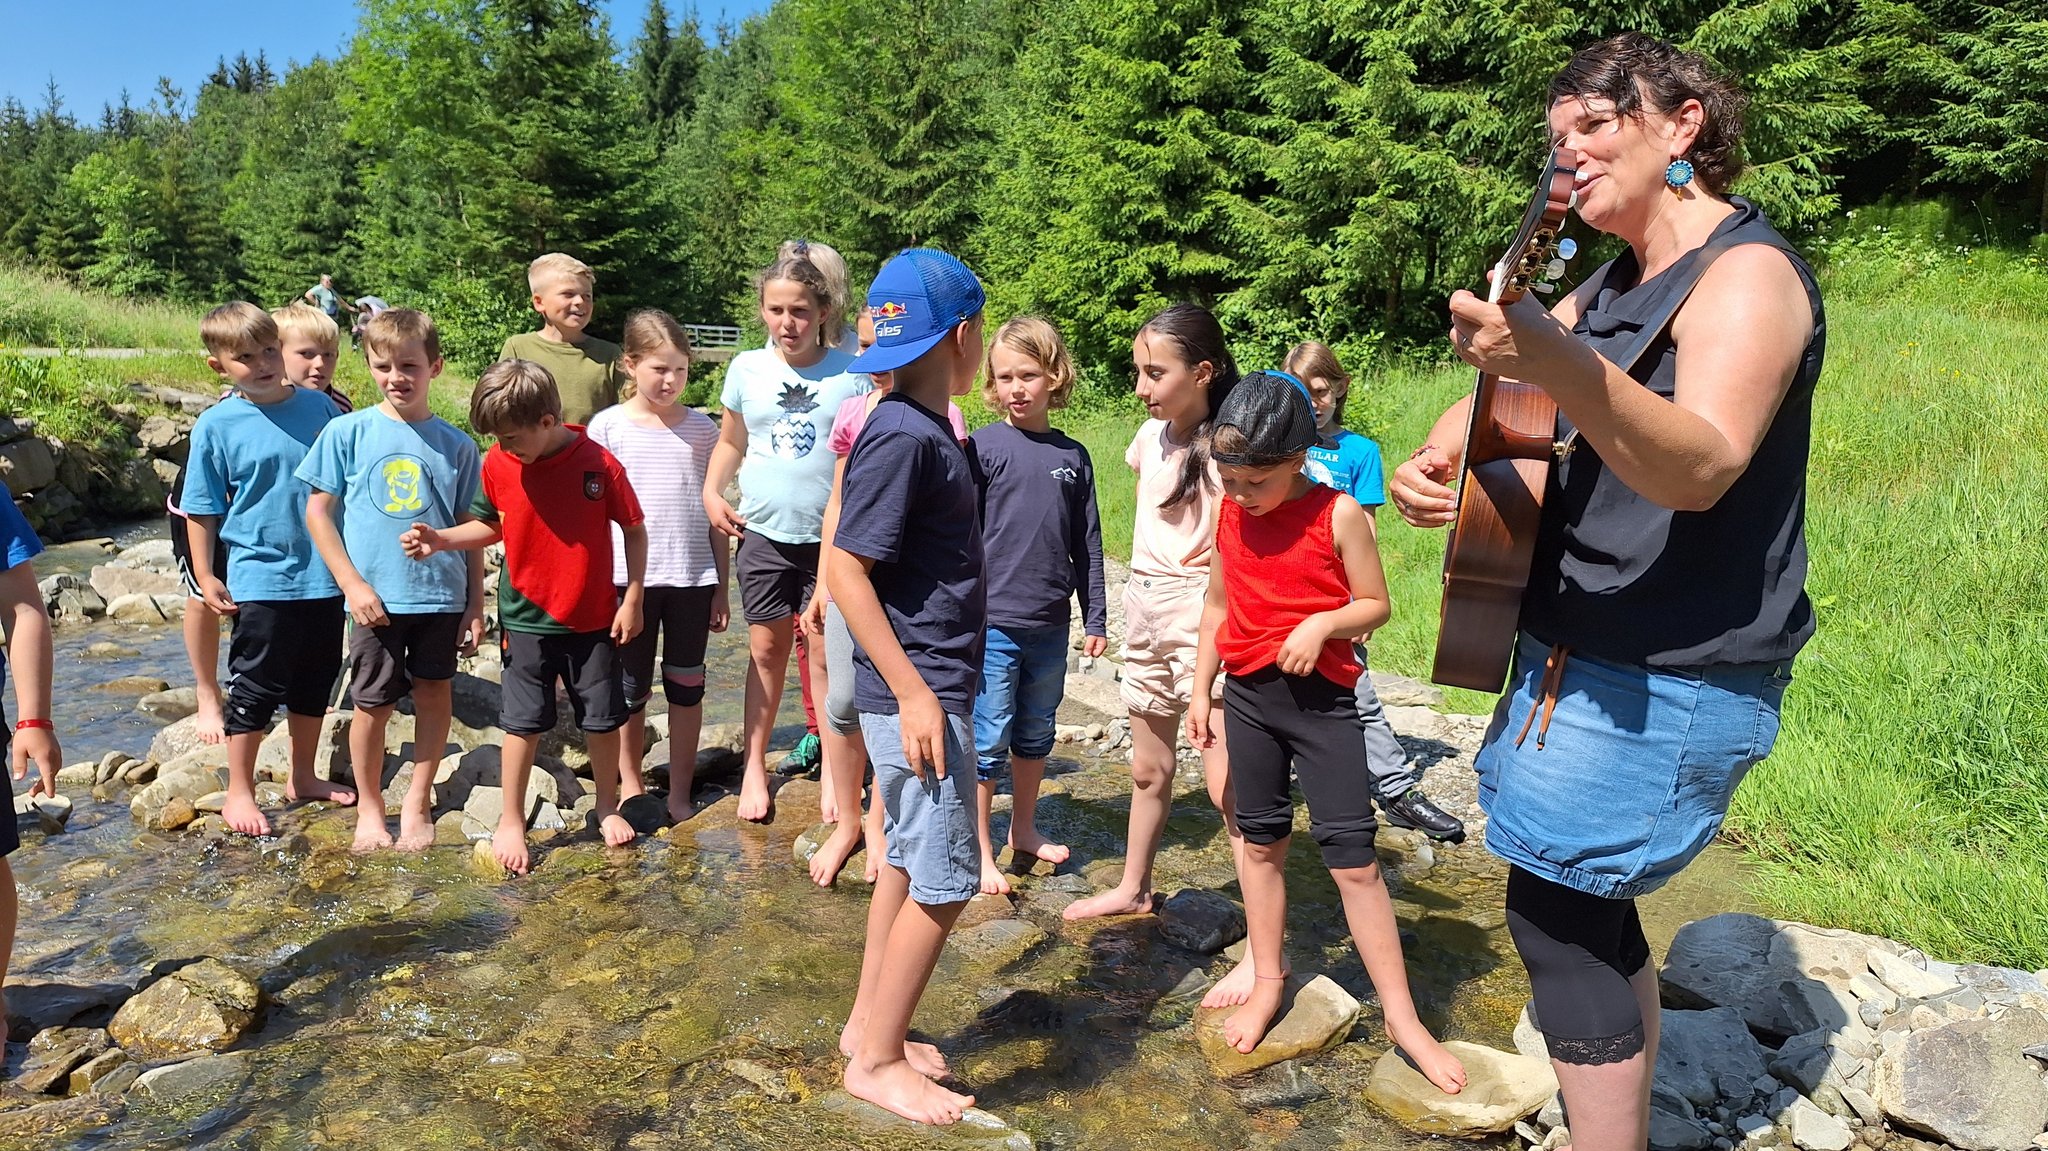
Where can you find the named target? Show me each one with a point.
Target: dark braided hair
(1198, 338)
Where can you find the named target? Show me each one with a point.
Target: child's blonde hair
(1310, 361)
(648, 330)
(394, 326)
(303, 319)
(822, 274)
(1035, 337)
(513, 394)
(237, 326)
(553, 266)
(832, 265)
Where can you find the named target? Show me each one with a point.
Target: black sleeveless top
(1619, 577)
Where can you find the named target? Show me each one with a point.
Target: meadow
(1908, 795)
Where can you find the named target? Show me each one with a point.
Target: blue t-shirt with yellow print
(389, 475)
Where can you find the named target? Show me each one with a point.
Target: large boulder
(27, 464)
(166, 438)
(113, 581)
(1967, 1083)
(168, 607)
(1500, 1088)
(1698, 1048)
(204, 1006)
(1742, 961)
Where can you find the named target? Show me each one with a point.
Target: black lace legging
(1580, 950)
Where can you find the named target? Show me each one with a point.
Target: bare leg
(632, 750)
(767, 666)
(514, 765)
(877, 845)
(433, 705)
(202, 650)
(604, 771)
(1613, 1105)
(1152, 750)
(1369, 912)
(883, 907)
(1262, 878)
(828, 794)
(240, 811)
(366, 757)
(846, 759)
(1235, 987)
(685, 725)
(993, 881)
(304, 784)
(879, 1070)
(1025, 776)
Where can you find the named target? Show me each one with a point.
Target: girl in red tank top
(1296, 577)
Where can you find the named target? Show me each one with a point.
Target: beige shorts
(1162, 626)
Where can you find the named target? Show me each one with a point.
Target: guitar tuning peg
(1567, 248)
(1554, 269)
(1543, 286)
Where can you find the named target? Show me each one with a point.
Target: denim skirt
(1630, 775)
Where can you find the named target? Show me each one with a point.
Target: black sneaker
(1414, 810)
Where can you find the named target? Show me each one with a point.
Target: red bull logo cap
(919, 295)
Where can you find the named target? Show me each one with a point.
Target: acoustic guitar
(1509, 447)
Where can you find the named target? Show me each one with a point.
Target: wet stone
(996, 943)
(1500, 1088)
(645, 813)
(205, 1005)
(194, 1078)
(1201, 921)
(976, 1129)
(1315, 1015)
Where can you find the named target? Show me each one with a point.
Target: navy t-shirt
(908, 503)
(1043, 533)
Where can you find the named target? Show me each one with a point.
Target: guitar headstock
(1538, 254)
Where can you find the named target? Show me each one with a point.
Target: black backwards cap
(1272, 411)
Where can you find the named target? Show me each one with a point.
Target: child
(241, 490)
(1295, 578)
(779, 402)
(1044, 541)
(906, 569)
(1350, 463)
(823, 623)
(665, 446)
(549, 492)
(585, 368)
(32, 736)
(311, 343)
(383, 469)
(201, 626)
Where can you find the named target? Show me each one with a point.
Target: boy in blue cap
(905, 568)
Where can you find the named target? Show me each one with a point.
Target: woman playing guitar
(1667, 598)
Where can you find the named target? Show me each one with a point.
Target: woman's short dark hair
(1638, 72)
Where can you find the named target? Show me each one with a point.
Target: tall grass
(37, 310)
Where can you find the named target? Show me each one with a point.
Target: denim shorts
(1634, 773)
(930, 822)
(1023, 679)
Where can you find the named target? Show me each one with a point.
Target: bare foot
(415, 829)
(320, 789)
(993, 881)
(241, 814)
(873, 850)
(828, 807)
(900, 1088)
(1247, 1025)
(1233, 988)
(371, 833)
(1115, 901)
(1436, 1064)
(509, 845)
(757, 804)
(1039, 847)
(830, 858)
(212, 725)
(617, 832)
(923, 1056)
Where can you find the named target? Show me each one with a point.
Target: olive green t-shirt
(587, 374)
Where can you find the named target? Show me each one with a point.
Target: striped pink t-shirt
(666, 466)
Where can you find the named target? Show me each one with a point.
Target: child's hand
(722, 516)
(1094, 646)
(721, 609)
(1200, 734)
(365, 606)
(1304, 644)
(626, 622)
(217, 598)
(923, 723)
(39, 744)
(472, 632)
(421, 541)
(814, 614)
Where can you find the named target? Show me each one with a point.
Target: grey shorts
(839, 710)
(930, 822)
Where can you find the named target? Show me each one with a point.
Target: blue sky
(95, 48)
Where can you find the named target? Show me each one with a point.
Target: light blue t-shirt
(787, 474)
(1350, 463)
(391, 474)
(16, 537)
(243, 459)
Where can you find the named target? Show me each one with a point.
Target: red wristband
(27, 724)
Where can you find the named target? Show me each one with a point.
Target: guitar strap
(1660, 320)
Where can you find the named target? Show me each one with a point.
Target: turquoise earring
(1678, 174)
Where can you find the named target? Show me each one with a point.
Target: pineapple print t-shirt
(786, 476)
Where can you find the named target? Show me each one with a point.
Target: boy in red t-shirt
(551, 495)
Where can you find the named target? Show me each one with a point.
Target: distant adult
(323, 296)
(1667, 599)
(366, 309)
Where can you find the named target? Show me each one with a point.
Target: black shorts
(583, 661)
(282, 652)
(383, 661)
(181, 550)
(10, 836)
(1311, 723)
(775, 578)
(683, 616)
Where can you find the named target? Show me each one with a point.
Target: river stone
(133, 685)
(1698, 1046)
(1528, 1040)
(1812, 1129)
(115, 581)
(330, 750)
(1813, 1004)
(1401, 691)
(179, 738)
(207, 1005)
(1670, 1131)
(483, 863)
(148, 609)
(1315, 1015)
(46, 1071)
(175, 814)
(77, 604)
(51, 812)
(77, 776)
(2002, 986)
(156, 553)
(105, 649)
(207, 1075)
(111, 765)
(1201, 920)
(997, 943)
(977, 1129)
(171, 705)
(43, 1124)
(35, 1005)
(1500, 1088)
(1741, 961)
(26, 465)
(1967, 1083)
(88, 1075)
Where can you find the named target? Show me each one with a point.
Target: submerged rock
(172, 704)
(976, 1129)
(996, 943)
(207, 1005)
(179, 1082)
(1201, 920)
(1315, 1015)
(1500, 1088)
(35, 1005)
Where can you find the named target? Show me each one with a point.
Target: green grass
(37, 310)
